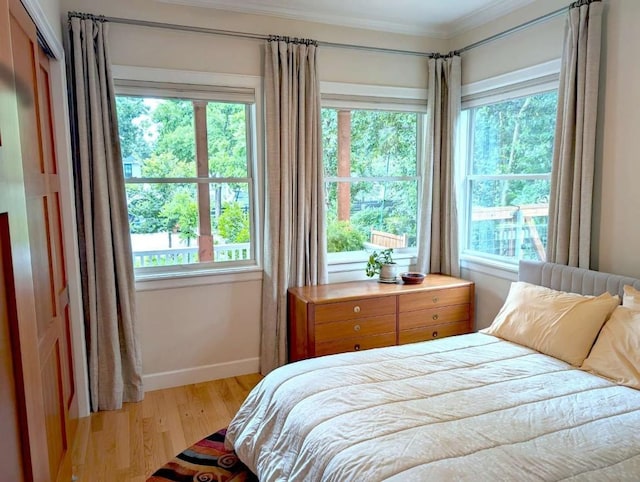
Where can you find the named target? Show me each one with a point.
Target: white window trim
(190, 276)
(199, 278)
(372, 97)
(518, 83)
(376, 97)
(528, 81)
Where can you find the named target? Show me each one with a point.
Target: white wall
(534, 45)
(616, 231)
(193, 332)
(616, 235)
(492, 286)
(151, 47)
(200, 332)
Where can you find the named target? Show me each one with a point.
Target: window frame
(338, 95)
(533, 80)
(186, 85)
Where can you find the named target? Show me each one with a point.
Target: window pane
(362, 214)
(163, 219)
(375, 144)
(157, 136)
(381, 143)
(329, 119)
(509, 218)
(227, 139)
(165, 224)
(181, 223)
(230, 221)
(135, 131)
(515, 136)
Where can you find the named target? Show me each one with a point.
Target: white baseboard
(187, 376)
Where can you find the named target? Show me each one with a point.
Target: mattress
(470, 407)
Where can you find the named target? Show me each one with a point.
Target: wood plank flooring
(131, 443)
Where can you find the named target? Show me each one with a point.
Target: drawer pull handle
(434, 334)
(435, 317)
(356, 347)
(356, 309)
(436, 299)
(356, 328)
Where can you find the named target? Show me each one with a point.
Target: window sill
(491, 267)
(165, 281)
(341, 266)
(351, 266)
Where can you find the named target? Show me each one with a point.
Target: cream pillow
(563, 325)
(616, 354)
(631, 298)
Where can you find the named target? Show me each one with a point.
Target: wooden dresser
(354, 316)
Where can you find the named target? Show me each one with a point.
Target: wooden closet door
(44, 217)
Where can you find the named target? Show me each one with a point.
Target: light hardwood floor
(129, 444)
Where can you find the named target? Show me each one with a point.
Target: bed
(470, 407)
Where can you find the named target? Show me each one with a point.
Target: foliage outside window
(510, 149)
(371, 178)
(188, 180)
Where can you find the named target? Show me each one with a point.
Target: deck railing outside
(173, 256)
(518, 232)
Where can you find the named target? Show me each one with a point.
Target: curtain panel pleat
(295, 237)
(570, 206)
(438, 223)
(115, 367)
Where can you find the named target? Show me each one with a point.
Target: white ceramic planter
(388, 271)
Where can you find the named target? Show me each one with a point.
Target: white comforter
(469, 407)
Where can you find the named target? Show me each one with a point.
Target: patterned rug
(206, 461)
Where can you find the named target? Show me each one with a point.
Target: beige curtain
(438, 224)
(295, 238)
(115, 365)
(569, 240)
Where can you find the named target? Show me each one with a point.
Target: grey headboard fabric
(575, 280)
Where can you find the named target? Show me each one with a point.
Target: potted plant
(381, 262)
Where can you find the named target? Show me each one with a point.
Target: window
(372, 178)
(509, 146)
(187, 160)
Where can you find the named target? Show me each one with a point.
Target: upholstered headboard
(575, 280)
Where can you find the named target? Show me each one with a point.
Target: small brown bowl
(412, 278)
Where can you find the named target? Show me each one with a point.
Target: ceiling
(432, 18)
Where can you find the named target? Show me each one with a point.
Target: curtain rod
(247, 35)
(530, 23)
(515, 29)
(255, 36)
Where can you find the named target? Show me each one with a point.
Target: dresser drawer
(433, 332)
(355, 309)
(409, 320)
(355, 344)
(434, 298)
(360, 327)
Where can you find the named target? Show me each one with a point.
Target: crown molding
(303, 14)
(472, 20)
